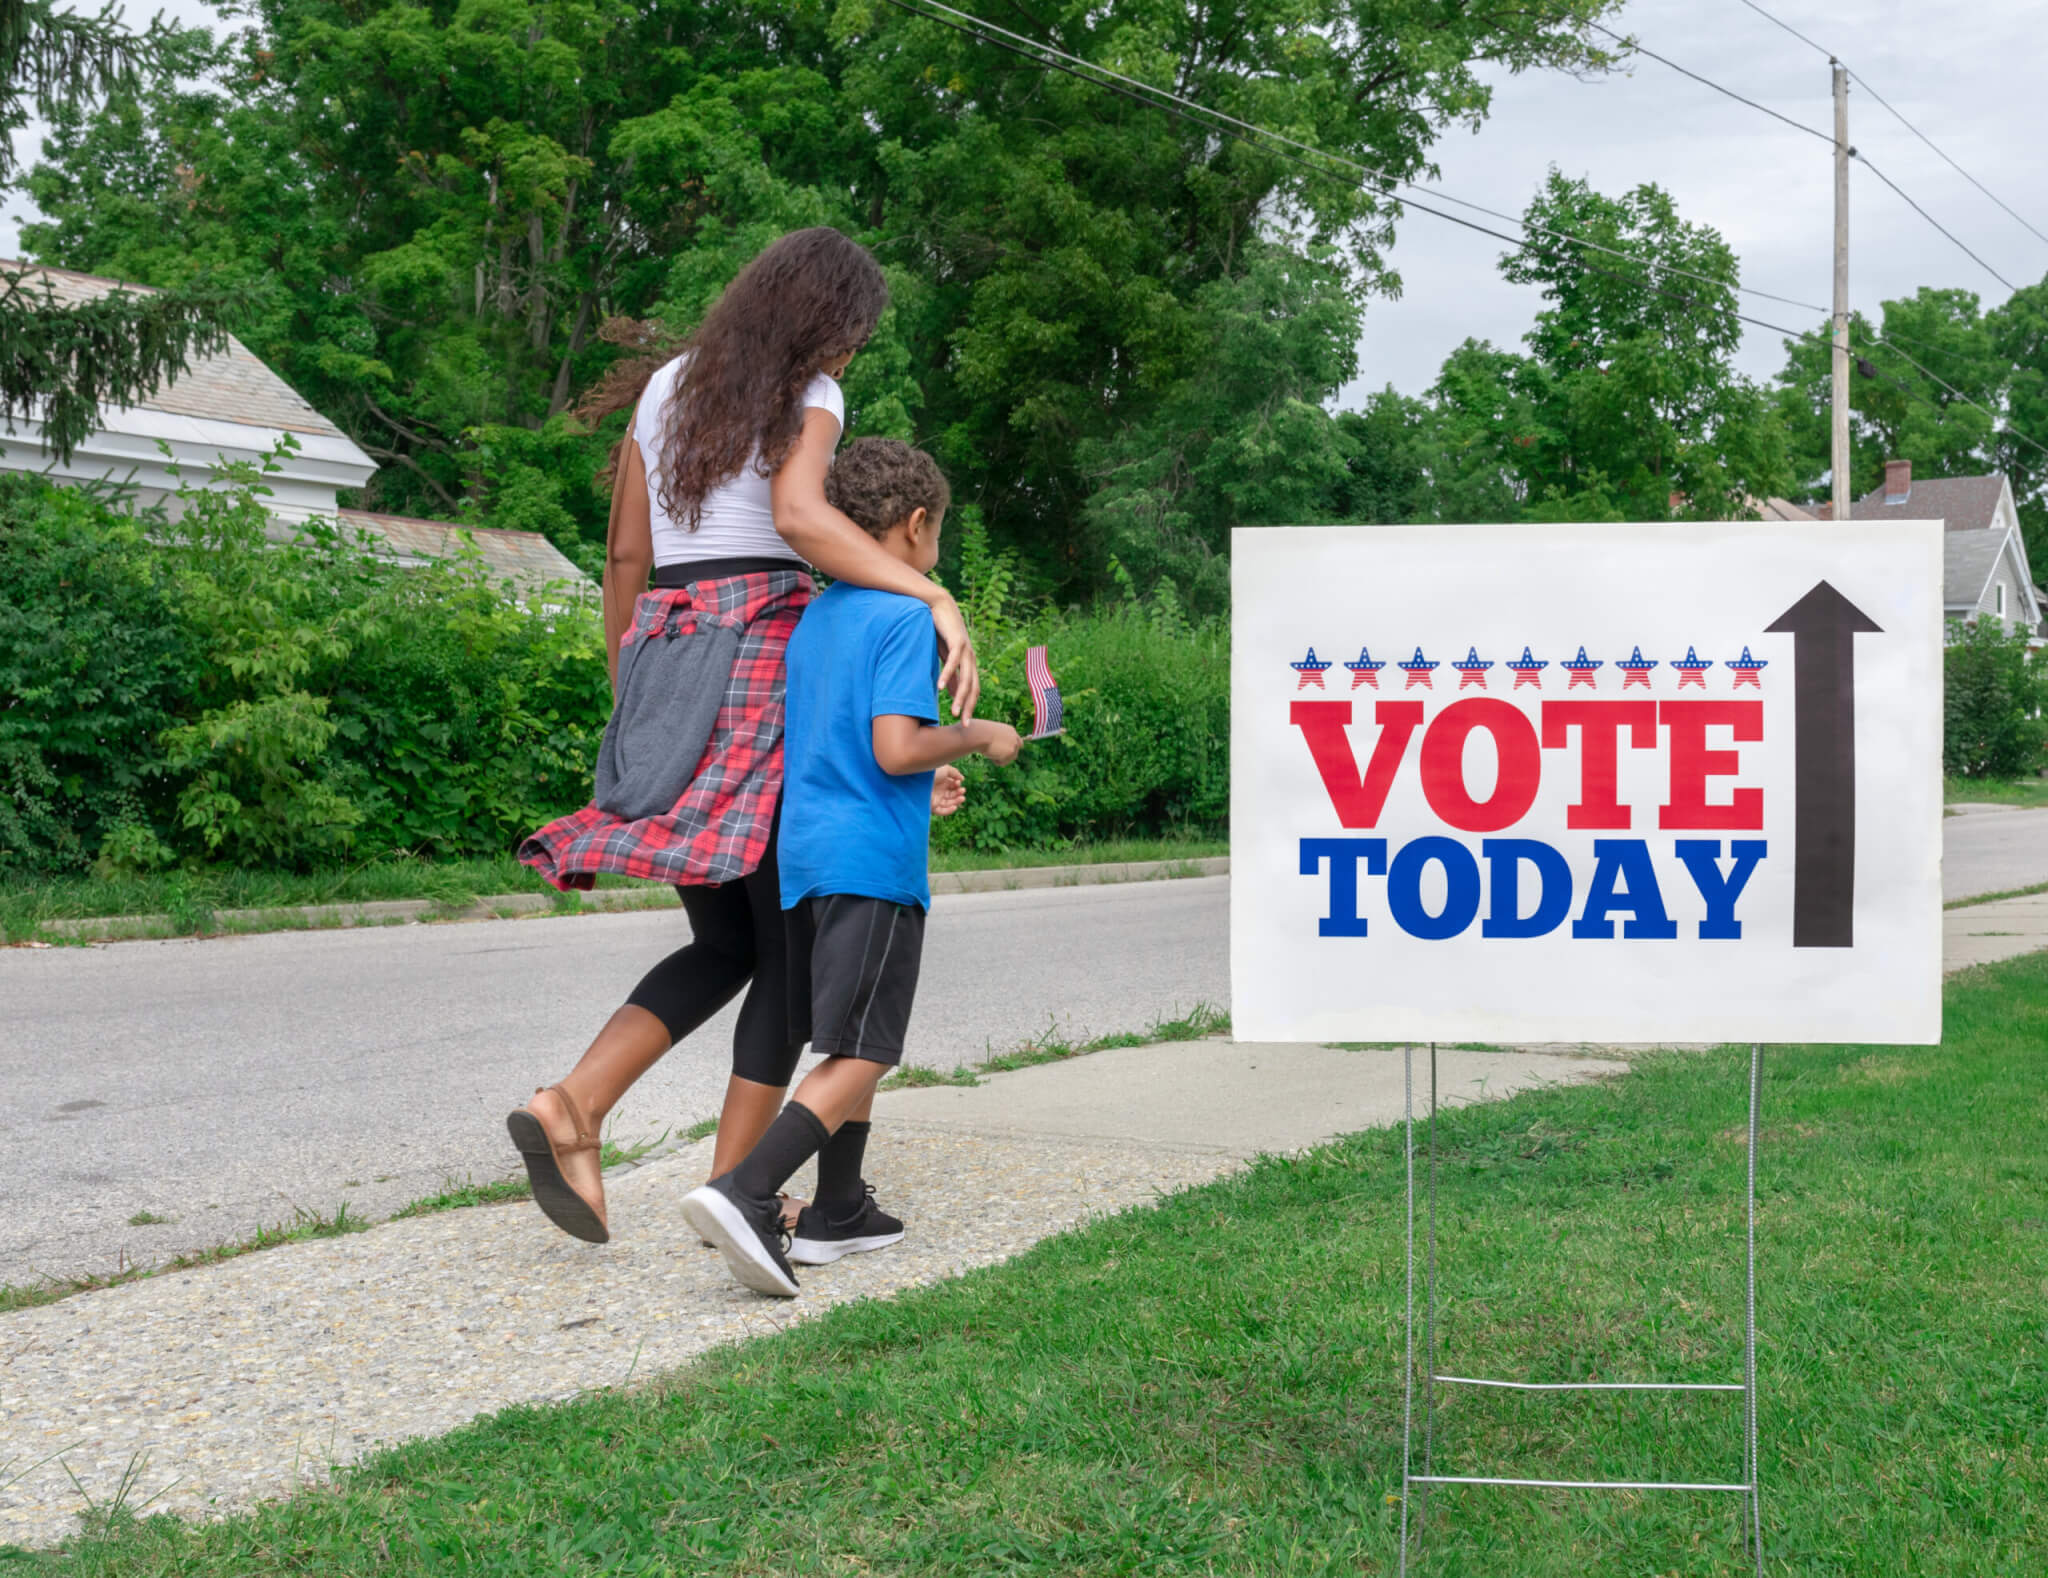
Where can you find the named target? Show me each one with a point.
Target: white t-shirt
(738, 520)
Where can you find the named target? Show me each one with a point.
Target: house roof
(526, 558)
(1967, 560)
(1965, 503)
(232, 385)
(1777, 509)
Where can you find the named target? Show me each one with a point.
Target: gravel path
(243, 1380)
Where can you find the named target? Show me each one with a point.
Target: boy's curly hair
(879, 481)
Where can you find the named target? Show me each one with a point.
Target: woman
(720, 490)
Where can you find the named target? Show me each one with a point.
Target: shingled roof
(1967, 560)
(1965, 503)
(525, 558)
(233, 385)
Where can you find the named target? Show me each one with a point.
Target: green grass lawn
(1212, 1386)
(2001, 791)
(194, 898)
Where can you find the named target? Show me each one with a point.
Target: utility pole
(1838, 463)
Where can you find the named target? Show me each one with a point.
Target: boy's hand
(949, 790)
(1003, 743)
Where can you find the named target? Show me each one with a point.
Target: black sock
(839, 1181)
(792, 1139)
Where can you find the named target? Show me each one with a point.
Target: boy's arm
(910, 745)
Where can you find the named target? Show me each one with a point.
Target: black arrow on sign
(1824, 625)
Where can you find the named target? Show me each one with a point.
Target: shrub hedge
(1992, 724)
(191, 691)
(188, 691)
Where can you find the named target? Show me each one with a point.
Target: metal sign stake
(1412, 1481)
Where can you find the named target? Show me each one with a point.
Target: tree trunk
(558, 398)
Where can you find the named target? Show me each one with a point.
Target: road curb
(1001, 881)
(508, 906)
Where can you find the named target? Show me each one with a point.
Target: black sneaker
(750, 1236)
(819, 1239)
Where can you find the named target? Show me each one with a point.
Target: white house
(232, 407)
(1984, 559)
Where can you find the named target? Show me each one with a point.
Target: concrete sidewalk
(1986, 933)
(1229, 1099)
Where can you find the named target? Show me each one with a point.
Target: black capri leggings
(739, 932)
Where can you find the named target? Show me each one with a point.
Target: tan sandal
(552, 1191)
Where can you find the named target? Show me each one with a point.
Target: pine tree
(61, 361)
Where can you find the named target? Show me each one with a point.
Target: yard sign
(1599, 783)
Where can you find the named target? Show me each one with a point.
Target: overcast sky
(1968, 75)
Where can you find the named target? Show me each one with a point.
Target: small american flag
(1045, 696)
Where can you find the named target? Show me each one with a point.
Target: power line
(1858, 156)
(1636, 48)
(1036, 49)
(1810, 131)
(1788, 27)
(1924, 371)
(1036, 52)
(1249, 134)
(1965, 174)
(1897, 115)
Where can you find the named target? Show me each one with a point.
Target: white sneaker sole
(719, 1221)
(823, 1251)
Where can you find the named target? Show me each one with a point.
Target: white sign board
(1668, 782)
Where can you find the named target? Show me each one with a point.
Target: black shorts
(864, 959)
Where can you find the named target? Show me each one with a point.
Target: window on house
(2001, 599)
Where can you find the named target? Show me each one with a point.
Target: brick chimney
(1898, 481)
(1825, 510)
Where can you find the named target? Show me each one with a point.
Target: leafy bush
(1147, 691)
(92, 664)
(268, 626)
(1992, 723)
(193, 689)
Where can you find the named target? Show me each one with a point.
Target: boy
(861, 745)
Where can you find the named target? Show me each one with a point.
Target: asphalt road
(223, 1084)
(1993, 851)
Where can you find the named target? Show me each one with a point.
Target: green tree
(1099, 354)
(66, 361)
(2019, 330)
(1387, 461)
(1896, 409)
(1626, 404)
(452, 198)
(1640, 412)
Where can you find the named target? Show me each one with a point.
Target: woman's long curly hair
(804, 302)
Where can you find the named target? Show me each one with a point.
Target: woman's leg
(672, 999)
(769, 1038)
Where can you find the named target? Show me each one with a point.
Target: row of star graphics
(1528, 669)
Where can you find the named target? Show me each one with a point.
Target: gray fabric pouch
(671, 684)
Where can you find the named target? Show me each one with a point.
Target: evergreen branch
(61, 56)
(54, 58)
(63, 363)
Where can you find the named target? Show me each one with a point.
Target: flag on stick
(1045, 696)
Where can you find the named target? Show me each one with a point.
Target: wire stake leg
(1429, 1375)
(1750, 1474)
(1408, 1377)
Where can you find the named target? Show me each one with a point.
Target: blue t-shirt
(847, 826)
